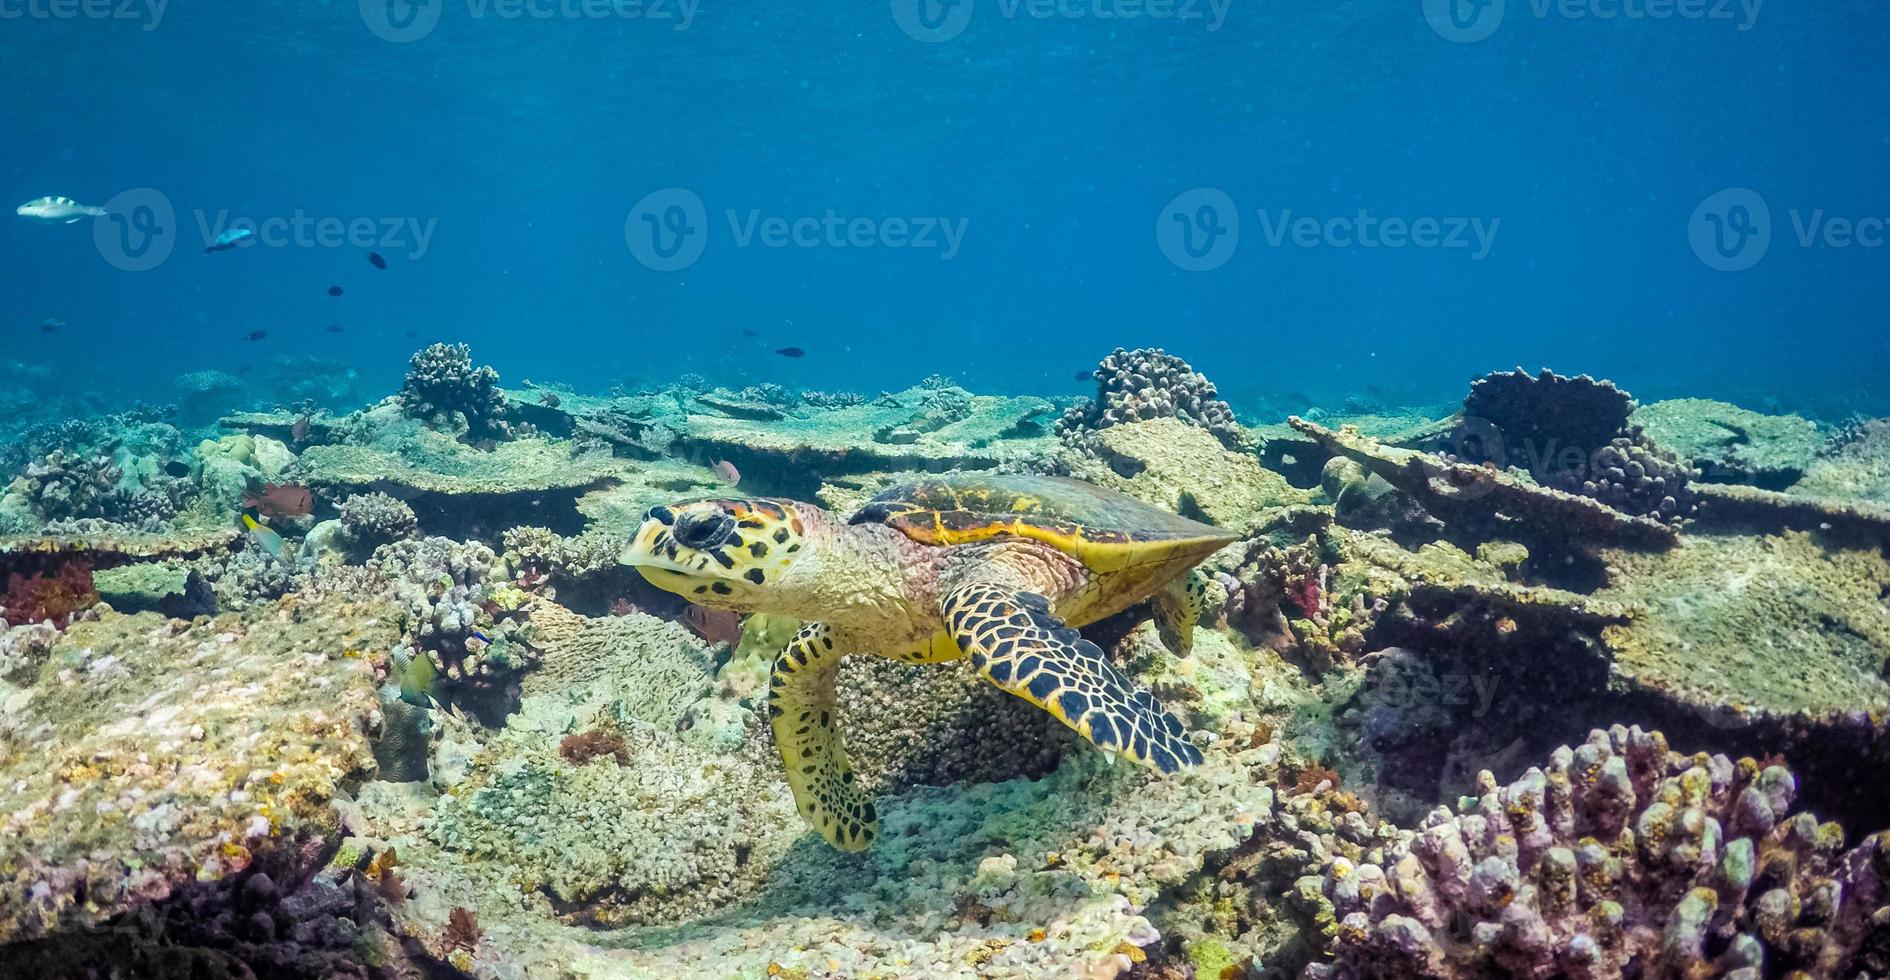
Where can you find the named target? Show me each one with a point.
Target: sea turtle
(997, 568)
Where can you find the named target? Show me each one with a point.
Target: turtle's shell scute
(1101, 528)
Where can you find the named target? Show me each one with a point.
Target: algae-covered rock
(437, 463)
(149, 755)
(1185, 469)
(1758, 625)
(1730, 444)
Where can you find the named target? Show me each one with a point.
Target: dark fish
(334, 328)
(334, 290)
(298, 433)
(280, 500)
(177, 468)
(244, 369)
(750, 333)
(258, 334)
(411, 334)
(1085, 375)
(49, 327)
(549, 400)
(375, 259)
(791, 352)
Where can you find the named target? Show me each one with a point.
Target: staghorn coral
(1622, 859)
(1149, 383)
(374, 519)
(445, 391)
(832, 399)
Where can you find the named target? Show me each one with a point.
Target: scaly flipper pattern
(1019, 645)
(801, 710)
(1177, 609)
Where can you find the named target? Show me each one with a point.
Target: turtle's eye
(702, 531)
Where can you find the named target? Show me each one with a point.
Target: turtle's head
(726, 553)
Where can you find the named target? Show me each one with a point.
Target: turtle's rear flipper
(801, 708)
(1177, 610)
(1015, 641)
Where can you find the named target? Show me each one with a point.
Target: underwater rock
(1149, 383)
(1852, 467)
(792, 456)
(149, 756)
(1729, 444)
(445, 391)
(1738, 628)
(1620, 858)
(1185, 469)
(373, 519)
(735, 406)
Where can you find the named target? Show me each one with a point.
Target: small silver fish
(58, 210)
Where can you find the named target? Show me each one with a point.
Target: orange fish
(280, 500)
(715, 625)
(727, 472)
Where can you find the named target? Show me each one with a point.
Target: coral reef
(374, 519)
(1729, 444)
(1620, 858)
(444, 390)
(469, 626)
(1572, 434)
(190, 753)
(1149, 383)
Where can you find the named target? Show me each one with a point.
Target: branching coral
(1621, 859)
(444, 390)
(1146, 384)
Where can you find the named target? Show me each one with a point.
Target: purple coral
(1621, 859)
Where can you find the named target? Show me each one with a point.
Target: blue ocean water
(1070, 145)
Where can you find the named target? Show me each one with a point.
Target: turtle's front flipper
(1178, 609)
(1015, 641)
(801, 707)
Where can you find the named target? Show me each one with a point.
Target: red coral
(583, 747)
(55, 595)
(462, 932)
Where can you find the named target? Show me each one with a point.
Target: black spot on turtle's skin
(703, 588)
(751, 523)
(1102, 731)
(721, 588)
(754, 575)
(868, 813)
(1140, 745)
(1029, 665)
(1043, 685)
(1164, 761)
(663, 516)
(847, 777)
(759, 549)
(1073, 704)
(774, 711)
(964, 642)
(722, 558)
(780, 535)
(1001, 672)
